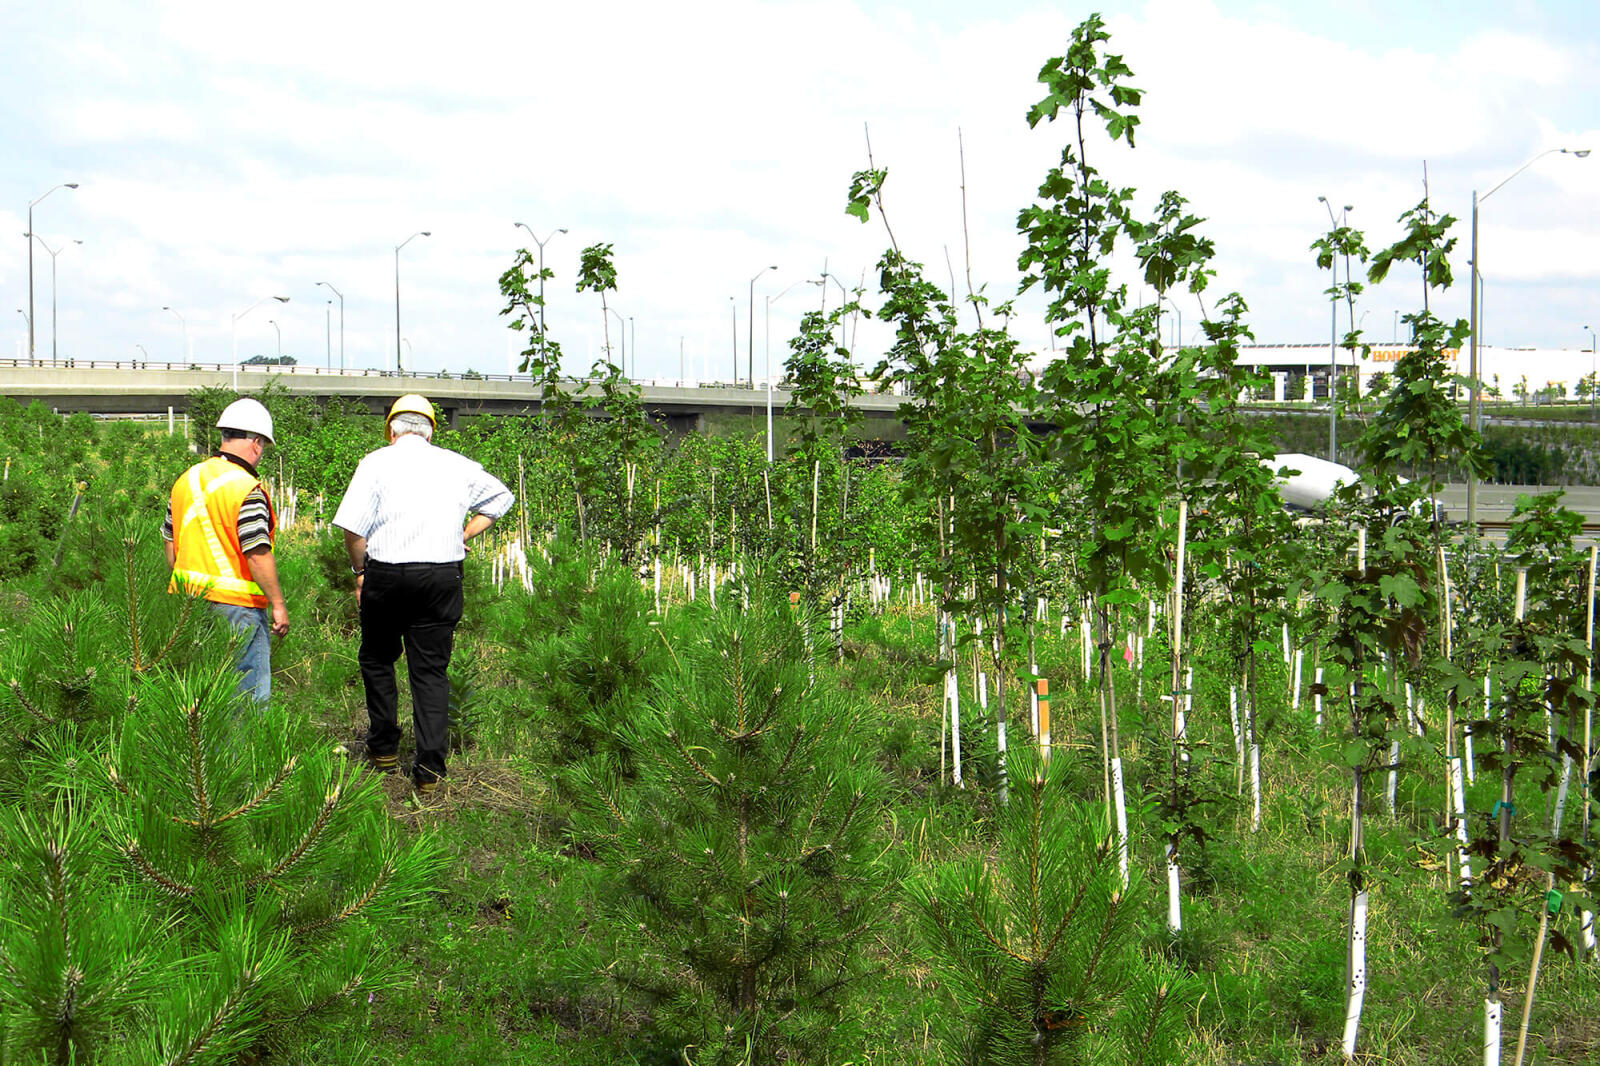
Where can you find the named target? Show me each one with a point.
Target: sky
(225, 154)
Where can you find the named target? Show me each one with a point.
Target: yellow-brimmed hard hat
(412, 404)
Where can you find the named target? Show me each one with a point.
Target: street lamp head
(281, 299)
(1582, 153)
(1322, 199)
(71, 184)
(563, 229)
(427, 233)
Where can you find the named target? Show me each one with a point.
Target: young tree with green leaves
(1542, 671)
(1124, 406)
(1384, 605)
(597, 274)
(1342, 241)
(971, 402)
(822, 383)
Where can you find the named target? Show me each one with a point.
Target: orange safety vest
(205, 533)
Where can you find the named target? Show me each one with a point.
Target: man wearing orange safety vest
(218, 534)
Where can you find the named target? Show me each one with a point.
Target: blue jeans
(253, 625)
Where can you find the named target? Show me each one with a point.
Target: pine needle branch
(170, 885)
(117, 782)
(690, 759)
(794, 746)
(1066, 918)
(263, 794)
(197, 780)
(185, 608)
(355, 906)
(219, 1019)
(976, 913)
(343, 991)
(773, 705)
(16, 690)
(1099, 945)
(56, 892)
(307, 839)
(1148, 1037)
(133, 612)
(848, 817)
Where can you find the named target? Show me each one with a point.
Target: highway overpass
(133, 388)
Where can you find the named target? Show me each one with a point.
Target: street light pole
(279, 331)
(768, 345)
(423, 233)
(185, 352)
(750, 331)
(733, 320)
(233, 333)
(633, 342)
(548, 238)
(29, 235)
(1333, 329)
(1594, 372)
(327, 330)
(1474, 406)
(340, 295)
(54, 356)
(622, 337)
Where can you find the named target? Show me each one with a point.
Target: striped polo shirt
(411, 499)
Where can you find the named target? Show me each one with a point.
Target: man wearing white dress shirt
(407, 515)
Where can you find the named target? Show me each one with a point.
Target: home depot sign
(1394, 355)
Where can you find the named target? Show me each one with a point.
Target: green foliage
(746, 854)
(1040, 946)
(592, 665)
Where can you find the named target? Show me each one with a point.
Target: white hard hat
(247, 416)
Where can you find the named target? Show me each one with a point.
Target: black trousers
(417, 606)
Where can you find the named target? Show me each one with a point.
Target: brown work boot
(357, 749)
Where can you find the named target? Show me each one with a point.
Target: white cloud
(248, 152)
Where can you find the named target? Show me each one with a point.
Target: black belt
(418, 568)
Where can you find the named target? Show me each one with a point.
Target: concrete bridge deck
(151, 388)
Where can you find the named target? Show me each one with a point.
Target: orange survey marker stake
(1042, 688)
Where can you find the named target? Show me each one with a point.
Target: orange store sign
(1394, 355)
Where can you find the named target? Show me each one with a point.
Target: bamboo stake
(1533, 972)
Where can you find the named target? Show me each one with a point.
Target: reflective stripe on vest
(208, 562)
